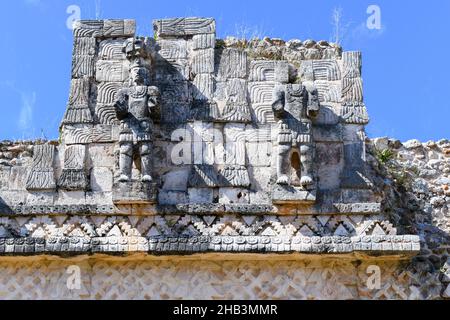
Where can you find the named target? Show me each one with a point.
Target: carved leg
(145, 149)
(283, 163)
(125, 161)
(306, 159)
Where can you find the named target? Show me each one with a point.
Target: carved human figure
(135, 105)
(295, 105)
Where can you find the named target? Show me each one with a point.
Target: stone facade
(223, 161)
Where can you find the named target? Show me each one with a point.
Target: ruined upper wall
(185, 143)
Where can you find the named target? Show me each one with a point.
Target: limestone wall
(200, 278)
(190, 148)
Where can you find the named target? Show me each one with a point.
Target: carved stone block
(354, 113)
(203, 88)
(232, 63)
(352, 90)
(42, 175)
(73, 176)
(175, 92)
(111, 71)
(172, 49)
(119, 28)
(180, 27)
(78, 110)
(88, 28)
(83, 66)
(203, 41)
(203, 61)
(351, 63)
(326, 70)
(263, 70)
(329, 91)
(87, 135)
(171, 71)
(134, 192)
(84, 46)
(234, 176)
(111, 50)
(284, 194)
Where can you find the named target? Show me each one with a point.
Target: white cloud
(26, 112)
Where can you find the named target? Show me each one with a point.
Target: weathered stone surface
(111, 71)
(42, 175)
(263, 70)
(134, 192)
(213, 144)
(180, 27)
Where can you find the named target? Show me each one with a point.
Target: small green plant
(385, 155)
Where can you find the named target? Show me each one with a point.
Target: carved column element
(135, 105)
(294, 105)
(353, 108)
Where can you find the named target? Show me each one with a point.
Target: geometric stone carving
(84, 46)
(353, 110)
(97, 134)
(41, 176)
(111, 50)
(234, 176)
(203, 176)
(236, 105)
(328, 91)
(172, 49)
(107, 92)
(261, 92)
(88, 28)
(207, 176)
(180, 27)
(78, 110)
(326, 70)
(203, 61)
(119, 28)
(73, 176)
(203, 87)
(232, 64)
(104, 28)
(351, 62)
(262, 70)
(111, 71)
(352, 90)
(354, 113)
(82, 66)
(203, 41)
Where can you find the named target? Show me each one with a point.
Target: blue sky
(406, 68)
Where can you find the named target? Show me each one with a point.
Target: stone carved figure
(135, 106)
(294, 105)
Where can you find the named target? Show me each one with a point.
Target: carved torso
(295, 101)
(138, 102)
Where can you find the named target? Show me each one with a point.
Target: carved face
(139, 75)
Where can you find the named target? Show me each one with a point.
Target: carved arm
(313, 105)
(121, 104)
(278, 101)
(154, 104)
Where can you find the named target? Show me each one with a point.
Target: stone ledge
(376, 245)
(199, 209)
